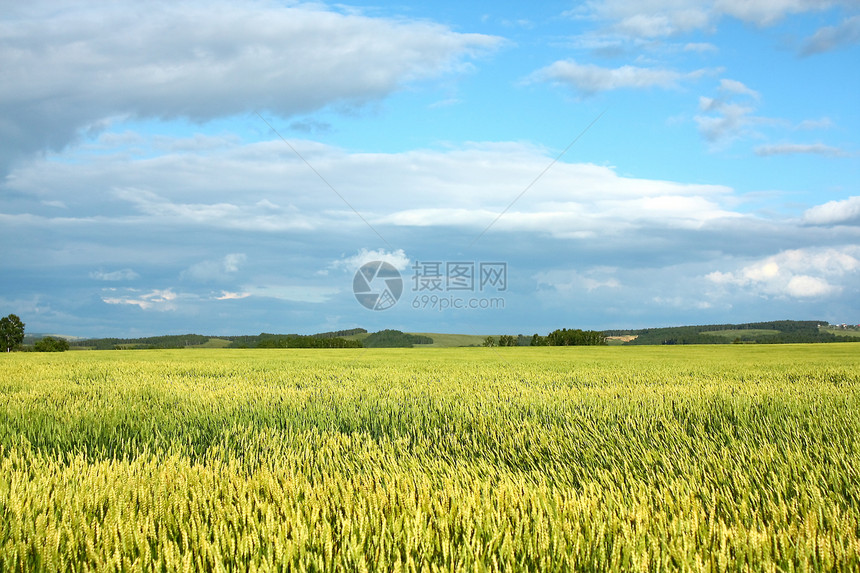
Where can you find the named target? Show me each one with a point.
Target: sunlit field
(736, 457)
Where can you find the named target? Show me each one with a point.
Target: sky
(243, 167)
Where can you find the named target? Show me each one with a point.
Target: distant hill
(264, 339)
(394, 339)
(167, 341)
(31, 337)
(774, 332)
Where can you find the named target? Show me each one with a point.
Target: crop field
(696, 458)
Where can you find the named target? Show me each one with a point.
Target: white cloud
(844, 212)
(464, 187)
(653, 19)
(700, 47)
(120, 275)
(397, 259)
(589, 79)
(797, 273)
(73, 69)
(799, 148)
(157, 299)
(736, 87)
(833, 37)
(571, 281)
(226, 295)
(731, 114)
(810, 124)
(767, 12)
(257, 216)
(232, 262)
(802, 286)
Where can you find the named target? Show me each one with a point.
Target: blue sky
(712, 177)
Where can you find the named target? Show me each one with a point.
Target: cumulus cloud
(833, 37)
(736, 87)
(723, 120)
(589, 79)
(797, 273)
(157, 299)
(227, 295)
(801, 286)
(75, 69)
(466, 187)
(653, 18)
(664, 18)
(765, 13)
(396, 258)
(799, 148)
(729, 115)
(844, 212)
(732, 114)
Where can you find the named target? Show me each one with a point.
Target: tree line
(559, 337)
(788, 331)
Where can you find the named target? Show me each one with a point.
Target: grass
(697, 458)
(853, 332)
(439, 340)
(741, 332)
(452, 340)
(214, 343)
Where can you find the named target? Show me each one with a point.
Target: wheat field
(718, 458)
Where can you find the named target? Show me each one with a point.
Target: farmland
(736, 457)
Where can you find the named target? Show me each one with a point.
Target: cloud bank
(201, 61)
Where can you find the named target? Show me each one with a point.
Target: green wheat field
(717, 458)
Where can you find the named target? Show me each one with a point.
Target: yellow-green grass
(442, 340)
(359, 336)
(214, 343)
(700, 458)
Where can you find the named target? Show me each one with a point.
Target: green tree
(575, 337)
(489, 341)
(51, 344)
(11, 332)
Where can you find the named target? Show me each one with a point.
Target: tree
(489, 342)
(507, 340)
(11, 332)
(575, 337)
(51, 344)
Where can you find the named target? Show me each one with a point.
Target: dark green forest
(788, 331)
(394, 339)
